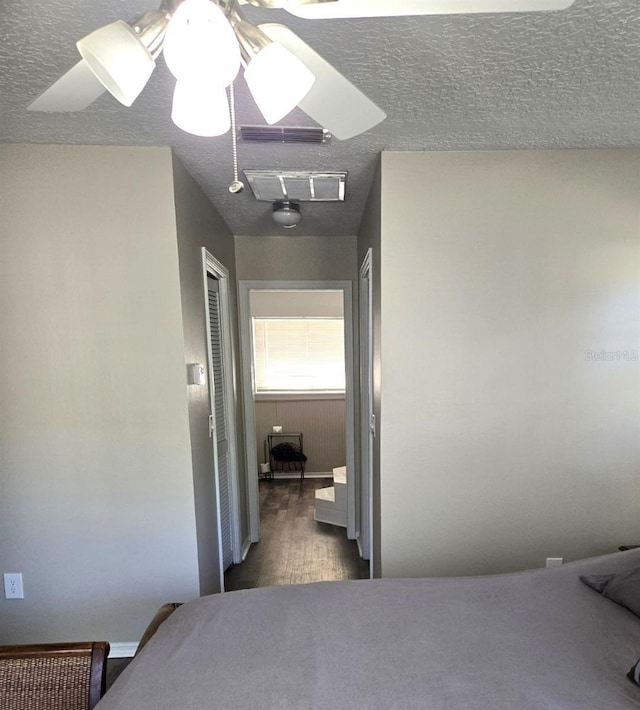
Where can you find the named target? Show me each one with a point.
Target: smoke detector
(286, 214)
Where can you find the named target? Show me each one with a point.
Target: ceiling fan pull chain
(237, 185)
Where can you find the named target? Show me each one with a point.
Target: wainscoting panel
(321, 421)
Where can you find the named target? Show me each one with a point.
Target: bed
(531, 640)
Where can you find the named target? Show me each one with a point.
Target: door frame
(210, 265)
(248, 382)
(367, 416)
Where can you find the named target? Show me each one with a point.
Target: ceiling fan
(205, 42)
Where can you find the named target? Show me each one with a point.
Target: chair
(288, 455)
(62, 676)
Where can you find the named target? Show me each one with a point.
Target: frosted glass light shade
(201, 109)
(278, 81)
(286, 214)
(201, 43)
(118, 59)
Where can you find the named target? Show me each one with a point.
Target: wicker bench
(63, 676)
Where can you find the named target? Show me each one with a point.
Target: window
(299, 354)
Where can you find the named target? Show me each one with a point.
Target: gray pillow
(622, 588)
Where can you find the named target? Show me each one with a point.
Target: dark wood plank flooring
(293, 547)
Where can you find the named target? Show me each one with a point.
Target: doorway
(249, 387)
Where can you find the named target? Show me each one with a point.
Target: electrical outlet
(554, 561)
(13, 585)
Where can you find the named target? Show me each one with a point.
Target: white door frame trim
(210, 265)
(248, 380)
(367, 422)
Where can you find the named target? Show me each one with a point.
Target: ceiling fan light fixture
(119, 60)
(200, 108)
(286, 214)
(151, 28)
(278, 81)
(200, 42)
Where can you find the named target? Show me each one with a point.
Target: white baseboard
(296, 474)
(122, 649)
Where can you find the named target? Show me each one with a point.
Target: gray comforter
(538, 639)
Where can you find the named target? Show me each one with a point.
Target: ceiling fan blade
(334, 102)
(73, 91)
(319, 9)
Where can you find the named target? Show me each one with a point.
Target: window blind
(299, 354)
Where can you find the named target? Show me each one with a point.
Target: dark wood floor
(293, 548)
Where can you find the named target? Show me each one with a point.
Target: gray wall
(296, 258)
(198, 225)
(97, 506)
(503, 440)
(296, 304)
(320, 420)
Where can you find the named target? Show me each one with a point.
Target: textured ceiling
(463, 82)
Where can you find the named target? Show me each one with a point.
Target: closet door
(220, 429)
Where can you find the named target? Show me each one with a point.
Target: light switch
(195, 374)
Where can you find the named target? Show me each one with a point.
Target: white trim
(291, 475)
(366, 409)
(211, 265)
(297, 396)
(350, 409)
(246, 349)
(246, 546)
(122, 649)
(248, 379)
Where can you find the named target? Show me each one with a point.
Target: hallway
(293, 548)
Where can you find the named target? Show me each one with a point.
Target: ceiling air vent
(297, 186)
(284, 134)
